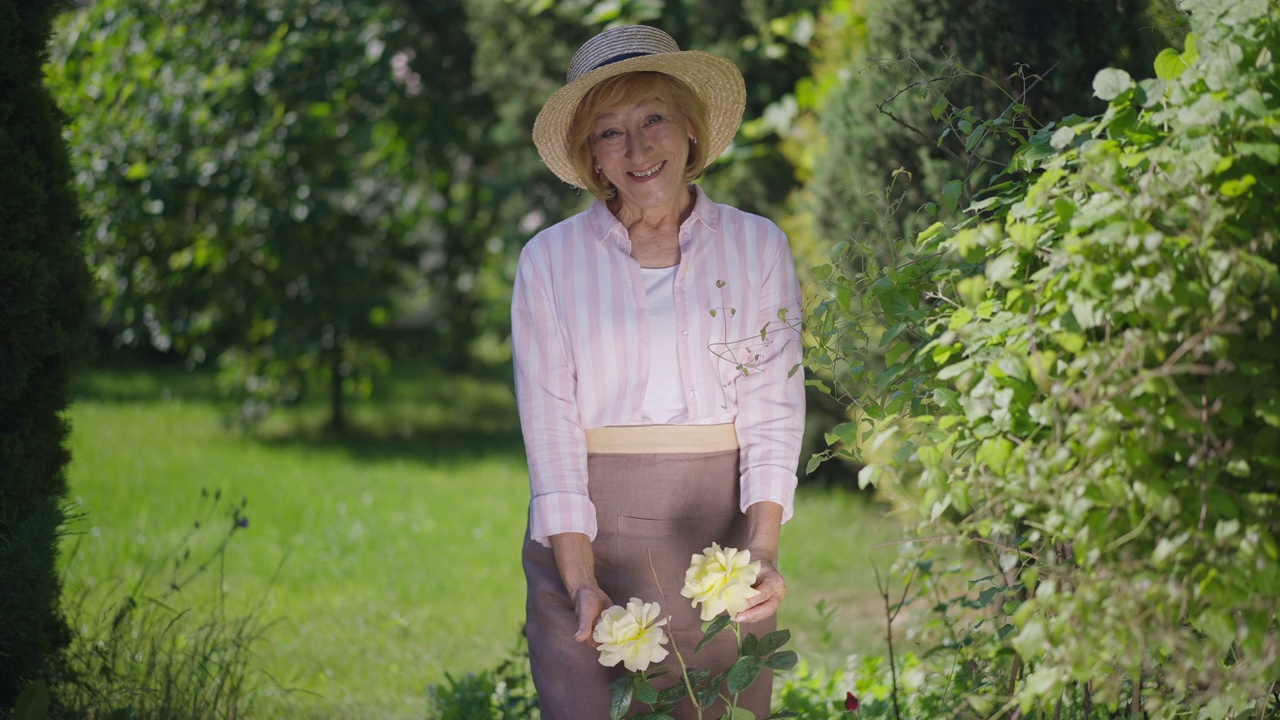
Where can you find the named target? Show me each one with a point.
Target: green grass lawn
(385, 558)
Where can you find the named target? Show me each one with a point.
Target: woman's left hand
(772, 587)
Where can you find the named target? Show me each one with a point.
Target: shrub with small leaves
(1088, 366)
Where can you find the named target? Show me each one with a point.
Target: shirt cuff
(560, 512)
(772, 483)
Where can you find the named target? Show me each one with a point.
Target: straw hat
(638, 48)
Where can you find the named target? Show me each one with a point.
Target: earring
(597, 169)
(693, 140)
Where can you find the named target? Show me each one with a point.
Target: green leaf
(708, 695)
(846, 433)
(711, 629)
(1238, 187)
(1002, 267)
(994, 453)
(782, 661)
(774, 640)
(743, 673)
(697, 675)
(814, 382)
(674, 694)
(1071, 342)
(740, 714)
(892, 333)
(955, 369)
(947, 399)
(750, 646)
(1153, 91)
(1062, 138)
(1266, 152)
(987, 596)
(641, 690)
(1111, 83)
(1169, 64)
(951, 194)
(621, 700)
(814, 461)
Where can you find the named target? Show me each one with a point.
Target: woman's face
(642, 149)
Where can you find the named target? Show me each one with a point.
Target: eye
(653, 120)
(609, 134)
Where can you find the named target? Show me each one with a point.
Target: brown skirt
(664, 506)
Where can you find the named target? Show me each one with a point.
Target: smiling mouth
(651, 172)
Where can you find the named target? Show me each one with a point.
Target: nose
(637, 144)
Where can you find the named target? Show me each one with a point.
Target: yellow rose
(631, 635)
(721, 579)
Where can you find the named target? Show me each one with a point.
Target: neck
(670, 216)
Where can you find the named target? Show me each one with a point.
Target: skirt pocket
(669, 544)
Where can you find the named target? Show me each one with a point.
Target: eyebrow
(606, 116)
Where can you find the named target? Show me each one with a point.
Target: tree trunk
(337, 408)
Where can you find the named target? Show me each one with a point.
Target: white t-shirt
(664, 400)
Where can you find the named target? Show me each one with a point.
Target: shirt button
(693, 393)
(684, 333)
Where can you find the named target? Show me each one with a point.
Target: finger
(772, 590)
(762, 611)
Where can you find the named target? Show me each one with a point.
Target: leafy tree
(44, 287)
(1079, 394)
(241, 169)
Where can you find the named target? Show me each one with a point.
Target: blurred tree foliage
(940, 65)
(282, 184)
(240, 168)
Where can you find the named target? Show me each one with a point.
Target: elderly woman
(655, 351)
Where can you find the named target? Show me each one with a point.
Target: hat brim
(713, 78)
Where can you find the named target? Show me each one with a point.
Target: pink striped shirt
(580, 337)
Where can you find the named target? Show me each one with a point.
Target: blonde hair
(629, 89)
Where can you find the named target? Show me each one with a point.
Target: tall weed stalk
(159, 646)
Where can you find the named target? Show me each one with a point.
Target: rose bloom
(631, 635)
(721, 579)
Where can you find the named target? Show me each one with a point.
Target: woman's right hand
(589, 602)
(577, 565)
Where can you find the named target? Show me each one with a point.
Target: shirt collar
(604, 225)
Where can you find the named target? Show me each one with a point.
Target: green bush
(1080, 390)
(505, 692)
(43, 307)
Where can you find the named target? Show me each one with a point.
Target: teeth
(655, 169)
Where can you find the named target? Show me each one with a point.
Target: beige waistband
(641, 439)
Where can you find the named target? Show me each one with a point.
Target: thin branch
(890, 615)
(880, 107)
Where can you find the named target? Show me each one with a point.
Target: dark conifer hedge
(44, 291)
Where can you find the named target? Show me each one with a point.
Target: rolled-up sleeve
(770, 420)
(545, 394)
